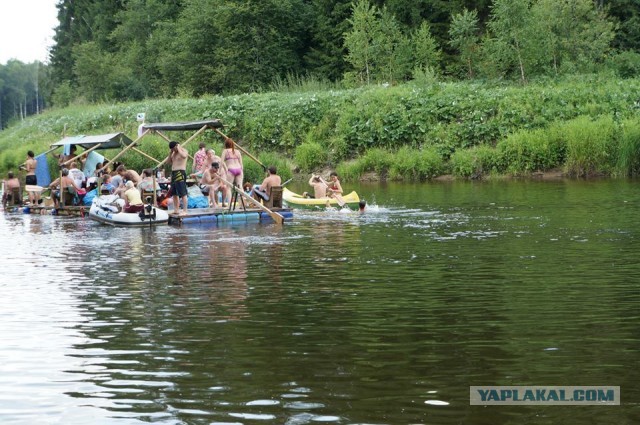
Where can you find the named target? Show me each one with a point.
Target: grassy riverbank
(586, 125)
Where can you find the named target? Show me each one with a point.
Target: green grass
(628, 158)
(426, 129)
(591, 146)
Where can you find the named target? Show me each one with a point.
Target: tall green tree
(20, 93)
(626, 13)
(463, 36)
(361, 41)
(143, 44)
(94, 69)
(394, 53)
(575, 35)
(438, 13)
(511, 27)
(80, 21)
(100, 75)
(427, 53)
(326, 53)
(234, 45)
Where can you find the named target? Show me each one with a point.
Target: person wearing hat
(178, 160)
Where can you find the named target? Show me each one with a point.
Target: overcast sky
(26, 29)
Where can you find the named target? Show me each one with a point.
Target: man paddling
(178, 160)
(319, 187)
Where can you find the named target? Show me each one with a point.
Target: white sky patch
(27, 29)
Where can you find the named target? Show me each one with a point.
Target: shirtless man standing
(31, 179)
(178, 160)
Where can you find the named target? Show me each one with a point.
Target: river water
(385, 317)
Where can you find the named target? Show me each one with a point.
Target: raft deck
(69, 211)
(224, 215)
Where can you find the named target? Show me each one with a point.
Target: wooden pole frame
(274, 215)
(44, 153)
(69, 161)
(146, 155)
(196, 134)
(122, 152)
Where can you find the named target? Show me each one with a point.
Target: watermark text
(538, 394)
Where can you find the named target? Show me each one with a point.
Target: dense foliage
(24, 89)
(123, 50)
(586, 125)
(408, 89)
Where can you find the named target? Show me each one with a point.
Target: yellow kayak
(293, 200)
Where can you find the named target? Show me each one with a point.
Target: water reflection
(382, 317)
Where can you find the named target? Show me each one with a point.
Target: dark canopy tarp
(182, 126)
(106, 141)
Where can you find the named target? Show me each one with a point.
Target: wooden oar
(274, 215)
(337, 196)
(44, 153)
(35, 188)
(340, 199)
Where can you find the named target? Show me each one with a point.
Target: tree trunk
(520, 64)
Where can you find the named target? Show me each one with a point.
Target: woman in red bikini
(334, 188)
(233, 161)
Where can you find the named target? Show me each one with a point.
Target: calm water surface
(333, 318)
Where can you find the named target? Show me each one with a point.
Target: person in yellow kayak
(319, 187)
(334, 189)
(324, 189)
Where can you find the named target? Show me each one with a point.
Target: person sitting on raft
(211, 179)
(146, 184)
(107, 187)
(63, 184)
(11, 183)
(263, 191)
(133, 200)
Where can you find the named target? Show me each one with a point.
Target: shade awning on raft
(182, 126)
(106, 141)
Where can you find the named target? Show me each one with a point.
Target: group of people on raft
(218, 173)
(12, 188)
(214, 174)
